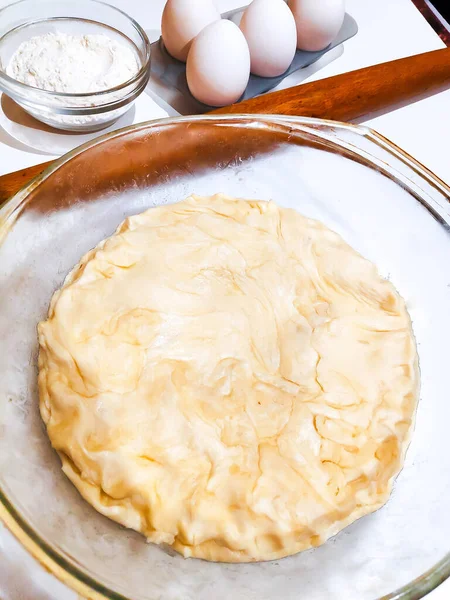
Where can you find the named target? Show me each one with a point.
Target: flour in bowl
(75, 64)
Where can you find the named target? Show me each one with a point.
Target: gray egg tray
(172, 72)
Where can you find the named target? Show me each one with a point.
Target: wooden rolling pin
(346, 97)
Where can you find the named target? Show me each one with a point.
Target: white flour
(60, 62)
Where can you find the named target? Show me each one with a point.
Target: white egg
(182, 20)
(218, 64)
(318, 22)
(269, 28)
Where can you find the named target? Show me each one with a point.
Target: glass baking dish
(385, 204)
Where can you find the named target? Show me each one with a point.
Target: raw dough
(230, 378)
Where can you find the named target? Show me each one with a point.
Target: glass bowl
(73, 112)
(385, 204)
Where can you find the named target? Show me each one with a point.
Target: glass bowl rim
(54, 562)
(21, 89)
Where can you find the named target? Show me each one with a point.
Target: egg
(218, 64)
(318, 22)
(182, 20)
(270, 31)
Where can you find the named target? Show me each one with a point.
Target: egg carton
(172, 73)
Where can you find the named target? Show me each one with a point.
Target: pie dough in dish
(230, 378)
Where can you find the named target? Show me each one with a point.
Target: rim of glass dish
(57, 564)
(24, 88)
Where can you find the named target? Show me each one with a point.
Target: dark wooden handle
(345, 97)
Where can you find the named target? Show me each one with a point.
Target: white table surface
(388, 29)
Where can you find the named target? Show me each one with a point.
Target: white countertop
(388, 29)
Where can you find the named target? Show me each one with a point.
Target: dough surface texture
(230, 378)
